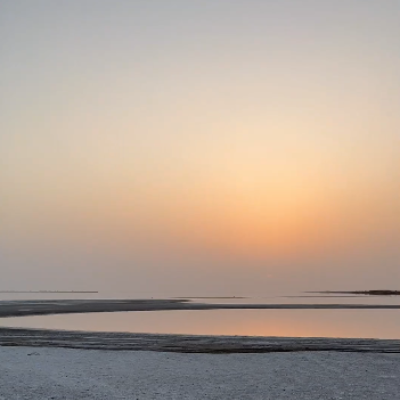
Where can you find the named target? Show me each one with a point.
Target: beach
(70, 374)
(59, 364)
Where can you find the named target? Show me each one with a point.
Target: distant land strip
(188, 343)
(15, 308)
(363, 292)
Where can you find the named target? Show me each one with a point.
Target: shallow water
(300, 300)
(384, 324)
(15, 296)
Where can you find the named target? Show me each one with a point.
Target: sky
(199, 147)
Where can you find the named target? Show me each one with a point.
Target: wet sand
(188, 343)
(46, 307)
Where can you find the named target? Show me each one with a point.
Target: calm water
(299, 323)
(302, 300)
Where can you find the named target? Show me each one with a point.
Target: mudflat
(11, 337)
(45, 307)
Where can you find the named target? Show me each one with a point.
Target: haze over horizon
(200, 148)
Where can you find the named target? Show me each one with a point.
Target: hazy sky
(201, 147)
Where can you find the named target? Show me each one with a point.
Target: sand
(54, 373)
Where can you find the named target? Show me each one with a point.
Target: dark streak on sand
(188, 343)
(45, 307)
(175, 343)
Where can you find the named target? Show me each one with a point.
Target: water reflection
(295, 323)
(299, 300)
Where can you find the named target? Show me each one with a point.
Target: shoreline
(180, 343)
(116, 341)
(19, 308)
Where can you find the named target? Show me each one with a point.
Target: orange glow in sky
(251, 130)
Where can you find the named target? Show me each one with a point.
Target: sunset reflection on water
(384, 324)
